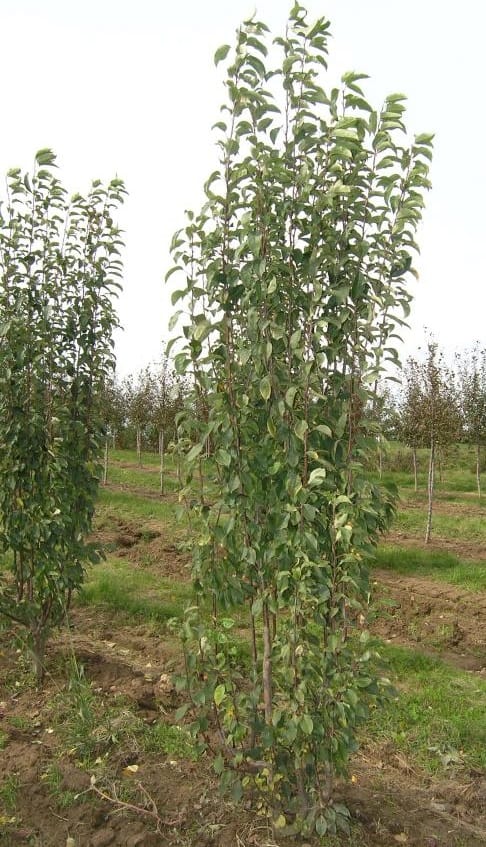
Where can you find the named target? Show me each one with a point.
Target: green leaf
(194, 452)
(290, 396)
(221, 53)
(176, 295)
(181, 712)
(306, 724)
(219, 694)
(168, 276)
(295, 339)
(45, 157)
(203, 328)
(218, 764)
(223, 458)
(317, 477)
(265, 388)
(326, 430)
(301, 428)
(174, 319)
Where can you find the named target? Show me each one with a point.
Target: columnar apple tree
(294, 283)
(59, 269)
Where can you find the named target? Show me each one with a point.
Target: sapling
(293, 283)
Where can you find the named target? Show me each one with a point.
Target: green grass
(452, 480)
(173, 741)
(53, 778)
(149, 458)
(9, 789)
(135, 505)
(119, 585)
(460, 527)
(440, 565)
(143, 478)
(437, 719)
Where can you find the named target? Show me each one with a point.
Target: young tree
(435, 415)
(139, 396)
(472, 386)
(59, 269)
(113, 406)
(412, 423)
(294, 283)
(168, 401)
(384, 412)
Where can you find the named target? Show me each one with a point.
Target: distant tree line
(141, 411)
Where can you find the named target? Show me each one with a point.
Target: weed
(9, 790)
(171, 740)
(53, 778)
(19, 722)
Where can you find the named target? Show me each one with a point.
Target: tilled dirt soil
(157, 799)
(433, 617)
(392, 803)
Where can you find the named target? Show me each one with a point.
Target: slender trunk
(113, 441)
(430, 490)
(267, 665)
(414, 457)
(179, 479)
(161, 454)
(201, 482)
(254, 661)
(139, 446)
(478, 469)
(380, 458)
(38, 654)
(105, 463)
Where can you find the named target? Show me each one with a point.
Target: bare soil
(390, 802)
(434, 617)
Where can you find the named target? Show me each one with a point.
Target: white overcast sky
(129, 87)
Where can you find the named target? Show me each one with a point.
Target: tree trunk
(430, 491)
(267, 665)
(105, 463)
(478, 469)
(179, 478)
(380, 458)
(161, 454)
(415, 478)
(139, 446)
(38, 654)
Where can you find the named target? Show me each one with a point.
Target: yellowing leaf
(130, 769)
(280, 822)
